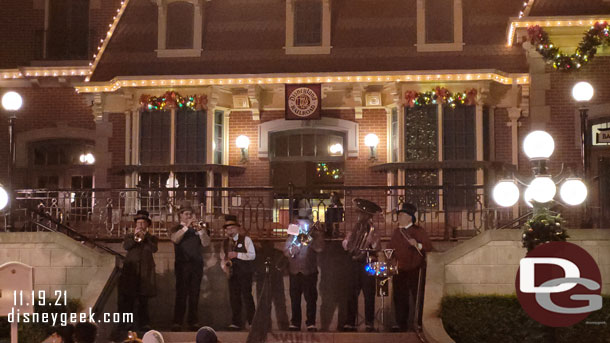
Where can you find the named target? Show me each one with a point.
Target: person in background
(239, 249)
(85, 333)
(410, 243)
(189, 240)
(206, 335)
(302, 250)
(137, 281)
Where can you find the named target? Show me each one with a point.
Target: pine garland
(597, 35)
(171, 100)
(545, 226)
(440, 95)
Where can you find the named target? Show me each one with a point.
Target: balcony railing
(447, 213)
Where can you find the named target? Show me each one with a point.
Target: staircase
(301, 337)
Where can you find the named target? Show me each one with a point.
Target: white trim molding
(162, 51)
(350, 129)
(457, 45)
(324, 48)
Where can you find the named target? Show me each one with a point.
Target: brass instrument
(139, 235)
(304, 238)
(358, 242)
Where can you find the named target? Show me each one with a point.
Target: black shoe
(176, 327)
(293, 327)
(194, 327)
(369, 328)
(312, 328)
(396, 328)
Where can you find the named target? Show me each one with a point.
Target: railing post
(290, 201)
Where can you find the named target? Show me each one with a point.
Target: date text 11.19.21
(61, 298)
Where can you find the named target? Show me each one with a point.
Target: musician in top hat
(137, 280)
(239, 249)
(362, 242)
(302, 248)
(189, 240)
(410, 243)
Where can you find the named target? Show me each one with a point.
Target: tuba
(359, 240)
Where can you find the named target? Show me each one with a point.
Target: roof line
(552, 21)
(440, 76)
(106, 40)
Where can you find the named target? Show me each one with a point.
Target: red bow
(471, 97)
(410, 97)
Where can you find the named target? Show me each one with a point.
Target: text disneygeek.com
(63, 319)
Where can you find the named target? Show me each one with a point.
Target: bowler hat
(366, 206)
(230, 220)
(141, 214)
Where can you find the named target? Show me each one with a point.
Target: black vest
(189, 249)
(239, 246)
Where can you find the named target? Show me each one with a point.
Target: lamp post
(243, 142)
(11, 102)
(582, 92)
(539, 146)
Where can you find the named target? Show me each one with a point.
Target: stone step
(301, 337)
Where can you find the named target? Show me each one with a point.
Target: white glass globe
(543, 189)
(83, 158)
(336, 149)
(506, 193)
(538, 145)
(89, 158)
(582, 91)
(371, 140)
(11, 101)
(573, 191)
(3, 198)
(242, 142)
(528, 196)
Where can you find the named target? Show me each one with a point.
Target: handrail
(515, 221)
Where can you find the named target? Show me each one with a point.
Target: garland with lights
(596, 36)
(544, 226)
(323, 170)
(172, 99)
(440, 95)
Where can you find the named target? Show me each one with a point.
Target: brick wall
(45, 108)
(357, 170)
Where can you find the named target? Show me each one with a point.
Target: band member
(137, 280)
(410, 243)
(301, 250)
(189, 240)
(363, 240)
(239, 249)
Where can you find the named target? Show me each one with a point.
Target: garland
(440, 95)
(323, 170)
(172, 99)
(545, 226)
(596, 36)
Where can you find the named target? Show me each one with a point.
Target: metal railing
(447, 213)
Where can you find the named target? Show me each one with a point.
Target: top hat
(185, 205)
(407, 208)
(366, 206)
(141, 214)
(230, 220)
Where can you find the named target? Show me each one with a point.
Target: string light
(542, 22)
(506, 79)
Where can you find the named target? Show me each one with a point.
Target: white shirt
(177, 236)
(250, 255)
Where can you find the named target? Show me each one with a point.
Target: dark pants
(188, 285)
(127, 305)
(405, 288)
(303, 285)
(360, 280)
(240, 288)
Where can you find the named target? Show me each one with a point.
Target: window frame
(198, 12)
(323, 48)
(458, 36)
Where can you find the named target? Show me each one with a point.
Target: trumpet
(139, 235)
